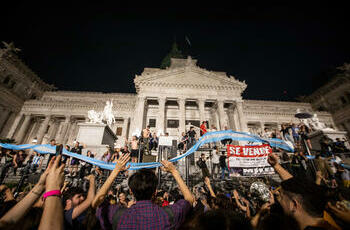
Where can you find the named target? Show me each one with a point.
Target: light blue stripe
(206, 138)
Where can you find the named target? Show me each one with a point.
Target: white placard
(166, 140)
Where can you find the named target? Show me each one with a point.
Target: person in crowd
(303, 132)
(36, 161)
(191, 137)
(298, 163)
(123, 200)
(266, 133)
(326, 146)
(106, 156)
(8, 163)
(143, 185)
(134, 149)
(182, 146)
(18, 160)
(146, 136)
(215, 159)
(339, 146)
(201, 163)
(76, 205)
(64, 157)
(116, 153)
(86, 167)
(295, 133)
(288, 133)
(223, 165)
(203, 128)
(154, 141)
(75, 162)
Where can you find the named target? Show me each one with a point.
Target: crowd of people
(296, 203)
(312, 194)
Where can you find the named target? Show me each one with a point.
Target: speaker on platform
(173, 151)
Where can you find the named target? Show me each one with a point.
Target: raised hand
(273, 159)
(43, 176)
(55, 176)
(168, 166)
(121, 162)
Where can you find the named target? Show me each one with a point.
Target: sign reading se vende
(248, 156)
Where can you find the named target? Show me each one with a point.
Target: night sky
(280, 51)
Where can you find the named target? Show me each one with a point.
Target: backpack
(121, 211)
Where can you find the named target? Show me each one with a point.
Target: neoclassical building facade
(334, 97)
(166, 99)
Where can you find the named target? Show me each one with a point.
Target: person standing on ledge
(203, 128)
(146, 135)
(203, 166)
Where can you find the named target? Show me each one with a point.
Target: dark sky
(274, 48)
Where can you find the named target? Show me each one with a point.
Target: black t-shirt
(77, 150)
(192, 133)
(222, 161)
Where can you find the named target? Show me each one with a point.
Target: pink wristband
(52, 193)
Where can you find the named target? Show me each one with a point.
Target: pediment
(191, 77)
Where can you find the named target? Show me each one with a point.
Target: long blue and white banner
(209, 137)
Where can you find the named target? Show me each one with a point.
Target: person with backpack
(144, 214)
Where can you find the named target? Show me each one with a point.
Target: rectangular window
(152, 123)
(119, 131)
(173, 124)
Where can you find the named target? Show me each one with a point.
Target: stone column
(221, 115)
(182, 117)
(161, 115)
(243, 123)
(63, 131)
(23, 129)
(14, 125)
(72, 133)
(201, 103)
(217, 121)
(137, 122)
(43, 128)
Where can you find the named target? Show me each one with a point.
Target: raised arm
(207, 183)
(236, 196)
(52, 217)
(273, 160)
(120, 166)
(87, 202)
(169, 167)
(21, 208)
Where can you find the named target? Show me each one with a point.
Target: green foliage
(174, 53)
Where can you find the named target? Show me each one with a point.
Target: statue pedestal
(96, 137)
(316, 136)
